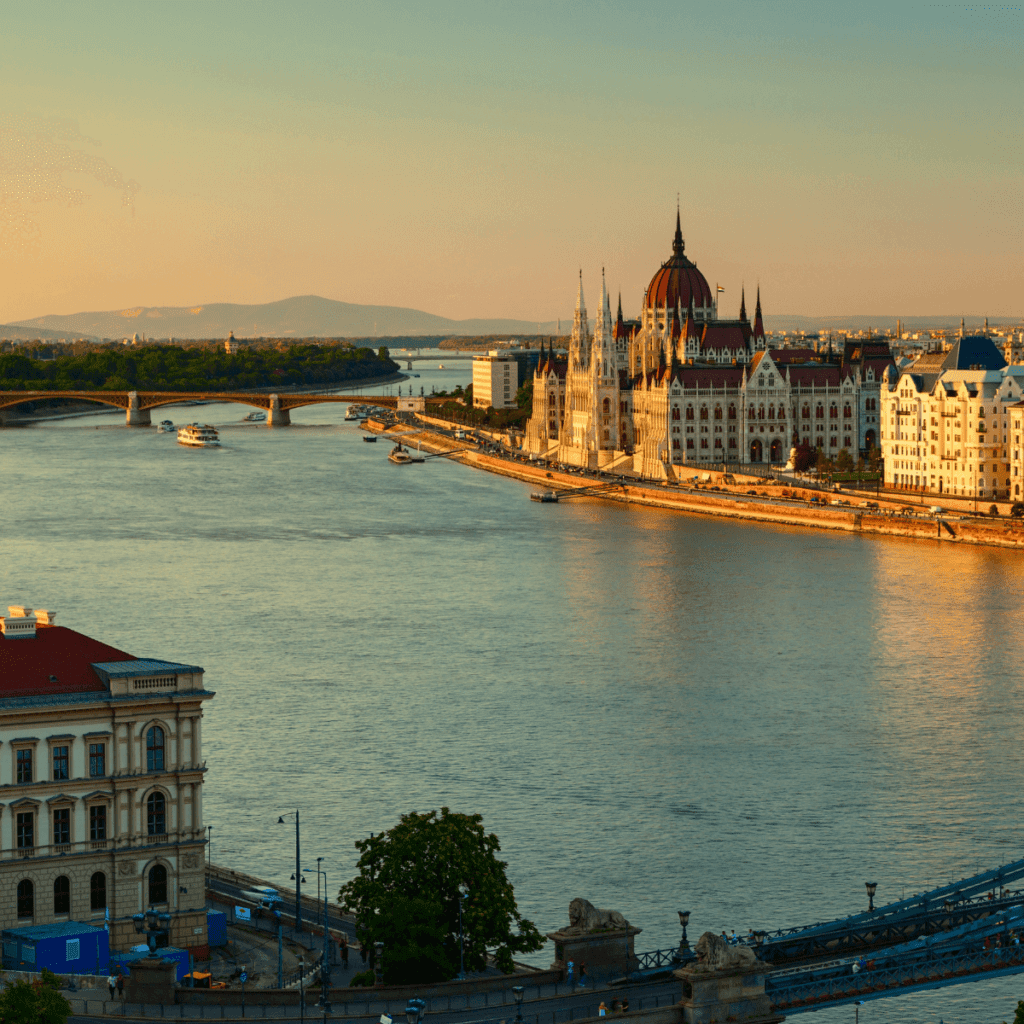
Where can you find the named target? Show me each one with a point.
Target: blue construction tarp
(124, 961)
(68, 948)
(217, 927)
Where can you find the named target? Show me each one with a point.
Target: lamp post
(210, 844)
(151, 924)
(378, 964)
(302, 990)
(414, 1010)
(871, 887)
(518, 992)
(325, 974)
(684, 920)
(298, 873)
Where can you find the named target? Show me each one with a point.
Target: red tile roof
(727, 336)
(710, 376)
(804, 376)
(27, 663)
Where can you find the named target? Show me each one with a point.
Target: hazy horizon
(467, 161)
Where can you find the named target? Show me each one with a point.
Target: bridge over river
(139, 404)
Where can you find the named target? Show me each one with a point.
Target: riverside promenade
(755, 499)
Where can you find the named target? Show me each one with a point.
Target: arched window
(806, 412)
(753, 413)
(718, 412)
(703, 412)
(782, 412)
(771, 412)
(26, 899)
(833, 412)
(155, 749)
(607, 407)
(689, 412)
(847, 411)
(158, 884)
(819, 412)
(732, 412)
(98, 891)
(675, 413)
(760, 412)
(156, 814)
(61, 895)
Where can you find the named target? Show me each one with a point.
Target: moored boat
(370, 438)
(166, 427)
(256, 417)
(399, 456)
(199, 435)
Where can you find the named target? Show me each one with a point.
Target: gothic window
(782, 412)
(819, 412)
(675, 443)
(833, 412)
(771, 412)
(606, 406)
(718, 412)
(703, 442)
(760, 412)
(689, 412)
(675, 413)
(703, 412)
(753, 413)
(806, 412)
(718, 442)
(833, 442)
(847, 411)
(689, 444)
(732, 442)
(732, 412)
(846, 443)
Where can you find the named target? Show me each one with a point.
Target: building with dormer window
(101, 778)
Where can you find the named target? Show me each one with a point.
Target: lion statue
(584, 917)
(715, 954)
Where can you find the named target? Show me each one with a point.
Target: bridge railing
(786, 991)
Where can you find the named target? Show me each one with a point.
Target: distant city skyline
(467, 161)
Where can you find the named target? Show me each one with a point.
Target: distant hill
(310, 316)
(304, 316)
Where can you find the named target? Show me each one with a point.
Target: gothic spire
(677, 243)
(619, 316)
(758, 322)
(743, 303)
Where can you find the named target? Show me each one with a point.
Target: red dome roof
(678, 280)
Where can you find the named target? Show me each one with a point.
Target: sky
(468, 159)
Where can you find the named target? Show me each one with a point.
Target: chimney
(45, 618)
(19, 623)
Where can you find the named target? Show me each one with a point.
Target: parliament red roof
(55, 660)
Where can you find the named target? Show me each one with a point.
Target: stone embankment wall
(1003, 533)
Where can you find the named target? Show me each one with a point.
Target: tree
(406, 895)
(844, 463)
(38, 1003)
(804, 457)
(1017, 510)
(1018, 1017)
(383, 353)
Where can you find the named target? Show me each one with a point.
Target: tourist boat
(544, 496)
(355, 412)
(166, 427)
(256, 417)
(399, 456)
(370, 438)
(198, 435)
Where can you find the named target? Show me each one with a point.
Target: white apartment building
(495, 381)
(946, 422)
(101, 778)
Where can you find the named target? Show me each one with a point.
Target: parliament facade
(681, 387)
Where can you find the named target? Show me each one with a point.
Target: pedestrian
(344, 952)
(625, 1006)
(583, 975)
(120, 985)
(602, 1010)
(112, 985)
(734, 939)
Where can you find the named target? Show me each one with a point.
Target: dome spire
(678, 245)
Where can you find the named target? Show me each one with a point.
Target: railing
(785, 993)
(662, 958)
(89, 845)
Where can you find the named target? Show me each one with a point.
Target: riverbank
(748, 498)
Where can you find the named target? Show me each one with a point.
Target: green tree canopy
(406, 895)
(39, 1003)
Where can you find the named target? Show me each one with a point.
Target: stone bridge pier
(278, 417)
(136, 417)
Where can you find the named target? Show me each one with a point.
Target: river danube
(653, 711)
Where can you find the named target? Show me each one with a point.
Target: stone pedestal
(731, 994)
(278, 417)
(136, 417)
(607, 954)
(151, 980)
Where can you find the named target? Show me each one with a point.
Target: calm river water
(653, 711)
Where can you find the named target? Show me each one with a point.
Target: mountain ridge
(306, 316)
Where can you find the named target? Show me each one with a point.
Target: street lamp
(151, 924)
(871, 887)
(684, 920)
(414, 1010)
(518, 992)
(378, 964)
(298, 873)
(324, 971)
(210, 844)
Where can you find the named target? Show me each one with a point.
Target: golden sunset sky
(467, 159)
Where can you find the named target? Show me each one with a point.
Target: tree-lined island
(195, 367)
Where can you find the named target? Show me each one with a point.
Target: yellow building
(101, 777)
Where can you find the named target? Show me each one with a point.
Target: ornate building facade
(683, 387)
(101, 779)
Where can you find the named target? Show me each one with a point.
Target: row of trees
(495, 419)
(173, 368)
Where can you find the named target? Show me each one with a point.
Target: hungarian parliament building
(681, 387)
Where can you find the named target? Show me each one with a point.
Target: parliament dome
(678, 280)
